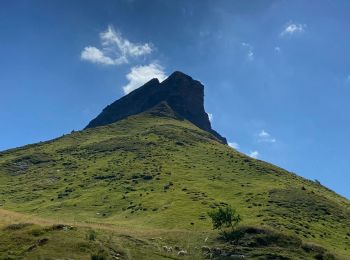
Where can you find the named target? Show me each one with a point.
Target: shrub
(91, 235)
(101, 255)
(225, 219)
(18, 226)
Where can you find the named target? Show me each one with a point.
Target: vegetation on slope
(44, 240)
(154, 172)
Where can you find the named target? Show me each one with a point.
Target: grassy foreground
(148, 181)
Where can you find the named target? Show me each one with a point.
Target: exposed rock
(168, 249)
(184, 95)
(61, 227)
(237, 256)
(205, 249)
(40, 242)
(216, 251)
(177, 248)
(182, 253)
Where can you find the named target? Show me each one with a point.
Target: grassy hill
(148, 181)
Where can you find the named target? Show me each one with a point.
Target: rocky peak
(183, 94)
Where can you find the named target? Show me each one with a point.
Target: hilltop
(143, 180)
(183, 94)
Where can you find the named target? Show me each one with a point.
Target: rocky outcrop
(183, 94)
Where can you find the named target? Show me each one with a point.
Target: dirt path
(9, 217)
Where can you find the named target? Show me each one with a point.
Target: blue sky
(276, 73)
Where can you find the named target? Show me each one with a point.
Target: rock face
(184, 95)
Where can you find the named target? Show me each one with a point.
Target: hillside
(148, 181)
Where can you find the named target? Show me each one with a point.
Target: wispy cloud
(95, 55)
(254, 154)
(115, 49)
(264, 136)
(346, 80)
(293, 28)
(141, 74)
(250, 51)
(234, 145)
(277, 49)
(211, 117)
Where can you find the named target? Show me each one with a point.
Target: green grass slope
(155, 173)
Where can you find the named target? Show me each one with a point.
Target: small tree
(225, 219)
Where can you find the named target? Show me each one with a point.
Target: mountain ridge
(182, 93)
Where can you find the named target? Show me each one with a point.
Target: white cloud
(249, 49)
(254, 154)
(115, 49)
(95, 55)
(111, 38)
(277, 49)
(264, 136)
(211, 117)
(141, 74)
(234, 145)
(293, 28)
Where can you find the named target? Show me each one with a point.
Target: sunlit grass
(158, 174)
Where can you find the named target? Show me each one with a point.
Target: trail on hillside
(8, 217)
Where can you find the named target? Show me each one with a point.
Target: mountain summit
(184, 95)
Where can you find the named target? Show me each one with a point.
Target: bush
(18, 226)
(101, 255)
(226, 220)
(91, 235)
